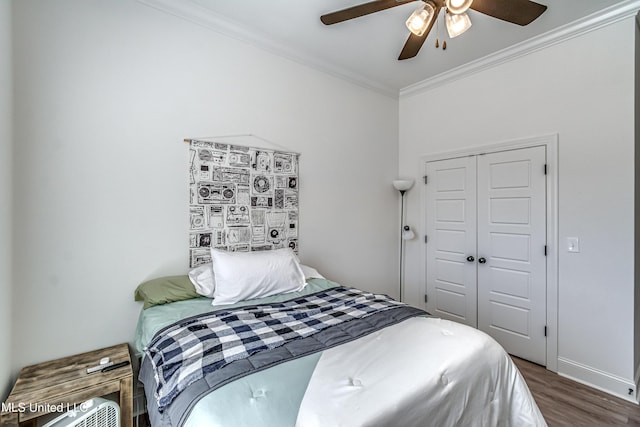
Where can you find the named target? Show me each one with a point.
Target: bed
(339, 356)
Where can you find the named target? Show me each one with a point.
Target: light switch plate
(573, 244)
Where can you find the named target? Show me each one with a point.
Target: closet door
(451, 246)
(511, 250)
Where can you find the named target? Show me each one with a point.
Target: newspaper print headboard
(241, 199)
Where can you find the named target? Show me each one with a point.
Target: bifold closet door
(451, 246)
(511, 192)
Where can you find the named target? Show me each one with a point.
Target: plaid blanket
(188, 350)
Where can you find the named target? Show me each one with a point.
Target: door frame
(549, 141)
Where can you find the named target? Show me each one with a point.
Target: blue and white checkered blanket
(188, 350)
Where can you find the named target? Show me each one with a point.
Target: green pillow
(164, 290)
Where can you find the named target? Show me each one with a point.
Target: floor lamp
(402, 185)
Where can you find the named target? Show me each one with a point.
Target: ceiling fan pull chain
(437, 33)
(444, 42)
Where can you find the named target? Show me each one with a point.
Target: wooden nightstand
(60, 384)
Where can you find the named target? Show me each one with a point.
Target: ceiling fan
(521, 12)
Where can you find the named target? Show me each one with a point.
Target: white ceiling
(365, 49)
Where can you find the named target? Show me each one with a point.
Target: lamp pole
(402, 185)
(401, 242)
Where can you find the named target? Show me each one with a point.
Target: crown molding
(600, 19)
(204, 17)
(190, 11)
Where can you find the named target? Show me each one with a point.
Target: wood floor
(564, 402)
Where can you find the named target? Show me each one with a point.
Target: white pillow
(245, 275)
(310, 272)
(203, 279)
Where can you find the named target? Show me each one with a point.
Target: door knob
(470, 258)
(482, 260)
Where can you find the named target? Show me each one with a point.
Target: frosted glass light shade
(402, 184)
(420, 19)
(457, 24)
(407, 233)
(458, 6)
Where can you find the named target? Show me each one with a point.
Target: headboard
(241, 199)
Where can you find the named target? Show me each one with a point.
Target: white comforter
(421, 372)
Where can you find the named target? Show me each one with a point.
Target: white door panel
(509, 174)
(451, 227)
(509, 319)
(511, 237)
(510, 282)
(450, 210)
(510, 210)
(506, 246)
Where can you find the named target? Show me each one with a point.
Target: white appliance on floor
(96, 412)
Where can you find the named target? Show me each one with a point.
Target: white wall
(583, 90)
(5, 196)
(108, 90)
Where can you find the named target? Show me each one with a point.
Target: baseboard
(603, 381)
(637, 381)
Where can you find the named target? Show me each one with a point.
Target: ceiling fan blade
(414, 43)
(360, 10)
(521, 12)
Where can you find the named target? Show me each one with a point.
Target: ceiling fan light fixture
(458, 6)
(420, 19)
(457, 24)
